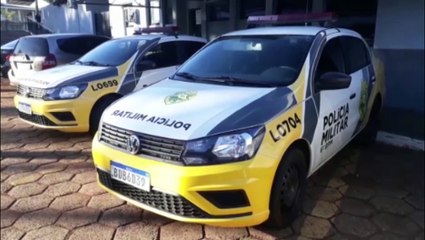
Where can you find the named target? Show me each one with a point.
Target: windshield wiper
(94, 63)
(232, 80)
(187, 75)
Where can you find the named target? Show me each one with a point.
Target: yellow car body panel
(80, 107)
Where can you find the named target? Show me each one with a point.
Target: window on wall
(252, 8)
(155, 12)
(293, 6)
(218, 10)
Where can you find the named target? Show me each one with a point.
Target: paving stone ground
(49, 191)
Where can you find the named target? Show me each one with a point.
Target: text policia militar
(334, 123)
(152, 119)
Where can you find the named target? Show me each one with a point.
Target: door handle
(352, 95)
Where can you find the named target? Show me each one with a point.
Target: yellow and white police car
(72, 97)
(231, 137)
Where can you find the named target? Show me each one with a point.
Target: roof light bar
(168, 29)
(291, 18)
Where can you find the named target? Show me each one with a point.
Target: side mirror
(145, 65)
(333, 80)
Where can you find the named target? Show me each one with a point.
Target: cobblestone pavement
(49, 191)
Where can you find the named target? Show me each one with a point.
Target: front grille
(30, 92)
(164, 148)
(38, 119)
(173, 204)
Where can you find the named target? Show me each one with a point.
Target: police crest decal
(179, 97)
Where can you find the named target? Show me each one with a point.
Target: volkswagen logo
(27, 92)
(133, 144)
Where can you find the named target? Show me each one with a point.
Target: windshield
(258, 60)
(112, 53)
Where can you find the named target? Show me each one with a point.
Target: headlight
(232, 147)
(66, 92)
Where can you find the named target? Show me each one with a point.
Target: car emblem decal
(179, 97)
(133, 144)
(27, 92)
(363, 100)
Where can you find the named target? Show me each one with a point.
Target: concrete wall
(61, 19)
(399, 41)
(116, 17)
(400, 24)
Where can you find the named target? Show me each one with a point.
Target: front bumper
(177, 191)
(64, 115)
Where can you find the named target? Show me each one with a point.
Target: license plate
(24, 107)
(24, 66)
(131, 176)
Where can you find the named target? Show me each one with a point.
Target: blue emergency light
(325, 17)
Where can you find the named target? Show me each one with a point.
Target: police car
(231, 137)
(72, 97)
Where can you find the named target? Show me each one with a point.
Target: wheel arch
(105, 97)
(378, 100)
(303, 145)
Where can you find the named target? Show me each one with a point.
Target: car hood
(187, 110)
(67, 74)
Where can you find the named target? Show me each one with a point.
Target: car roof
(157, 36)
(57, 35)
(289, 30)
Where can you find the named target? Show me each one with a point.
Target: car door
(337, 108)
(358, 65)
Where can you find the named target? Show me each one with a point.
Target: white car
(72, 97)
(39, 52)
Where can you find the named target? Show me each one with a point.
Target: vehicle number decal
(105, 84)
(285, 127)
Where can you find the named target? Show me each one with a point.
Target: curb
(400, 141)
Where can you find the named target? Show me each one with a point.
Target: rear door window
(356, 53)
(33, 46)
(163, 55)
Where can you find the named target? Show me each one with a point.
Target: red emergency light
(291, 18)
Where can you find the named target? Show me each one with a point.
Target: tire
(368, 135)
(96, 113)
(288, 189)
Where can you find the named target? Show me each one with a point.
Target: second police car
(230, 139)
(72, 97)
